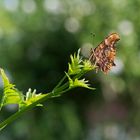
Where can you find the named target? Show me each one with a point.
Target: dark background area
(36, 40)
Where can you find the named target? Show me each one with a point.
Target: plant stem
(57, 91)
(60, 82)
(19, 113)
(59, 88)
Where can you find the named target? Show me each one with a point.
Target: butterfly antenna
(92, 50)
(93, 35)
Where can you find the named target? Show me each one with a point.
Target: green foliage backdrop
(36, 39)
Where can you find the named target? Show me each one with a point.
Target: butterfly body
(104, 54)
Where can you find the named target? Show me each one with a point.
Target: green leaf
(78, 83)
(32, 97)
(82, 83)
(11, 95)
(88, 66)
(75, 65)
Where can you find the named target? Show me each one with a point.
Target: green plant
(72, 79)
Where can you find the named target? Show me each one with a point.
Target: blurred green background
(36, 39)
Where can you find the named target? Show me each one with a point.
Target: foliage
(12, 95)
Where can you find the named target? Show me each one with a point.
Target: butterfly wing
(104, 54)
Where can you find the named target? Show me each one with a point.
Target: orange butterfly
(104, 54)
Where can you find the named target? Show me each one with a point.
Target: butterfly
(104, 54)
